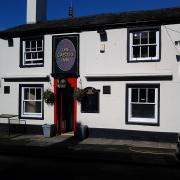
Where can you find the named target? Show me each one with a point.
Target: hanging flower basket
(49, 97)
(79, 94)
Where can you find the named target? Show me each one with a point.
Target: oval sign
(65, 55)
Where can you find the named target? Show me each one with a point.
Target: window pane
(32, 107)
(152, 51)
(26, 93)
(136, 38)
(28, 62)
(34, 55)
(38, 94)
(33, 45)
(39, 43)
(152, 37)
(28, 55)
(38, 62)
(40, 55)
(142, 95)
(27, 47)
(32, 94)
(144, 51)
(136, 52)
(134, 95)
(151, 95)
(144, 38)
(143, 111)
(38, 107)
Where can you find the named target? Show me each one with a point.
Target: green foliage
(49, 97)
(78, 94)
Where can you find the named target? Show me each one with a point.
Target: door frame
(73, 84)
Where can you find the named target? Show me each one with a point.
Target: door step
(68, 134)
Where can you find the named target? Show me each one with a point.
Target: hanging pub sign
(66, 56)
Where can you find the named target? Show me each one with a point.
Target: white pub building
(125, 67)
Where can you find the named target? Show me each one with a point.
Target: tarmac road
(12, 167)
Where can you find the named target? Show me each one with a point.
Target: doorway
(65, 109)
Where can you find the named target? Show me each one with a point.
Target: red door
(65, 107)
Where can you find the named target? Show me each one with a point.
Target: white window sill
(143, 120)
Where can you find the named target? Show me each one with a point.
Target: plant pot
(48, 130)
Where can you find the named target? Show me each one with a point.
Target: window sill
(144, 121)
(31, 117)
(142, 60)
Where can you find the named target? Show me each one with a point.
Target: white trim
(27, 114)
(140, 45)
(142, 120)
(32, 61)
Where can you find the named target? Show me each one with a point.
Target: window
(32, 52)
(143, 104)
(90, 101)
(144, 45)
(31, 101)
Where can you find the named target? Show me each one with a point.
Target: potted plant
(79, 94)
(49, 97)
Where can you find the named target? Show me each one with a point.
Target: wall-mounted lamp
(102, 48)
(103, 38)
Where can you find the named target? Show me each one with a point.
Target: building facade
(126, 66)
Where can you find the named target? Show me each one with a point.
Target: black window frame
(21, 64)
(20, 101)
(98, 103)
(139, 85)
(140, 29)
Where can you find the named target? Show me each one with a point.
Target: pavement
(90, 149)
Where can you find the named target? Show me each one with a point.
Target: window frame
(143, 121)
(22, 114)
(143, 59)
(22, 52)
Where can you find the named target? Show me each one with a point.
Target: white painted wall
(9, 67)
(114, 62)
(94, 63)
(10, 103)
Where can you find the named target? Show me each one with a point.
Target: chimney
(36, 11)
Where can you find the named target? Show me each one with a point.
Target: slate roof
(96, 22)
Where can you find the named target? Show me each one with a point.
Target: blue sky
(13, 12)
